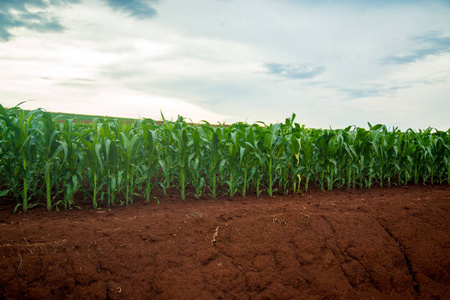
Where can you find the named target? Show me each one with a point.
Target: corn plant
(52, 145)
(272, 148)
(195, 162)
(259, 159)
(307, 150)
(128, 148)
(71, 174)
(93, 161)
(22, 133)
(212, 138)
(233, 155)
(165, 150)
(150, 139)
(248, 159)
(180, 150)
(328, 146)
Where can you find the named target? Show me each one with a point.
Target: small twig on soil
(214, 236)
(283, 221)
(237, 231)
(115, 230)
(20, 261)
(28, 245)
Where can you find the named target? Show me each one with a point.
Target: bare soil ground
(350, 244)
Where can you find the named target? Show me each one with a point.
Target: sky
(332, 63)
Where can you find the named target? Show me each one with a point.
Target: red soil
(357, 244)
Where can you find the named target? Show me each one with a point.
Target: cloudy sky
(333, 63)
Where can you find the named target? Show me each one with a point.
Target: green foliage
(46, 161)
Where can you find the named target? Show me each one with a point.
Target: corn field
(46, 162)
